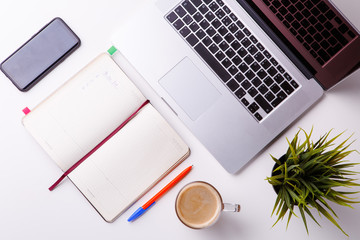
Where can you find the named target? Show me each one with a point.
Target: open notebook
(83, 112)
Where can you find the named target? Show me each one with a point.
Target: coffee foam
(198, 205)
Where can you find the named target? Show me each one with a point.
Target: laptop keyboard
(314, 24)
(229, 48)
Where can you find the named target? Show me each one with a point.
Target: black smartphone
(40, 54)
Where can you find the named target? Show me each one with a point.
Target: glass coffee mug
(199, 205)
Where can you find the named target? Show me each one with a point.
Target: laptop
(237, 73)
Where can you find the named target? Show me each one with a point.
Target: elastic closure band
(73, 167)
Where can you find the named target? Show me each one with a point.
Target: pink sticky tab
(26, 110)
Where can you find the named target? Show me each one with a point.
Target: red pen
(152, 201)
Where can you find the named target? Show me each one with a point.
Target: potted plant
(309, 175)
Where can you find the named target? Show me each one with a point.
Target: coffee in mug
(198, 205)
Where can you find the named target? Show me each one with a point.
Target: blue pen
(151, 202)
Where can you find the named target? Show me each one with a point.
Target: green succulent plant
(310, 174)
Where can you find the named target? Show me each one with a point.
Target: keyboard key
(253, 107)
(323, 7)
(216, 23)
(235, 45)
(233, 28)
(272, 71)
(267, 54)
(229, 38)
(192, 39)
(233, 85)
(239, 35)
(278, 78)
(178, 24)
(217, 38)
(226, 21)
(187, 19)
(249, 59)
(180, 11)
(263, 89)
(252, 92)
(259, 57)
(263, 103)
(233, 17)
(203, 9)
(275, 88)
(207, 41)
(189, 7)
(245, 102)
(258, 116)
(269, 96)
(246, 84)
(256, 82)
(196, 2)
(247, 32)
(204, 24)
(227, 10)
(240, 93)
(233, 70)
(230, 53)
(194, 27)
(255, 66)
(261, 73)
(250, 74)
(260, 47)
(209, 16)
(198, 17)
(220, 13)
(213, 48)
(222, 30)
(243, 67)
(200, 34)
(274, 62)
(287, 76)
(339, 36)
(330, 15)
(210, 31)
(220, 55)
(212, 62)
(252, 49)
(343, 28)
(240, 24)
(294, 84)
(239, 77)
(213, 6)
(223, 45)
(242, 52)
(184, 31)
(236, 60)
(171, 17)
(324, 56)
(281, 95)
(265, 64)
(287, 87)
(245, 42)
(226, 63)
(268, 81)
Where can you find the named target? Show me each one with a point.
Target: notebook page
(81, 113)
(127, 166)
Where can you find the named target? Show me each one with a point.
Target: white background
(29, 211)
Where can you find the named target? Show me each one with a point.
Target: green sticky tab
(112, 50)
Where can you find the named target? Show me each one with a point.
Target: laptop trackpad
(190, 89)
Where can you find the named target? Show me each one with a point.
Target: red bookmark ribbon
(73, 167)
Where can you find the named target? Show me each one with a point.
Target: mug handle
(229, 207)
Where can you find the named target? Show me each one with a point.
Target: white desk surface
(29, 211)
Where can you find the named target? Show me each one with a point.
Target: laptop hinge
(278, 38)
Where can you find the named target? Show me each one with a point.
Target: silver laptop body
(219, 110)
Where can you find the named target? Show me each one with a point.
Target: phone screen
(38, 56)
